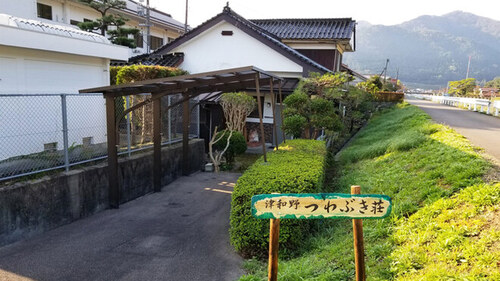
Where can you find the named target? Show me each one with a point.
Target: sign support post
(359, 249)
(354, 206)
(274, 234)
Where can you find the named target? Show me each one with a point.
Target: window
(139, 41)
(44, 11)
(87, 20)
(156, 42)
(74, 22)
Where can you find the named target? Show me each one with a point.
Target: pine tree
(101, 25)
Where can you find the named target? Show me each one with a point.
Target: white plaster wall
(211, 51)
(19, 8)
(29, 122)
(34, 39)
(29, 71)
(26, 123)
(268, 110)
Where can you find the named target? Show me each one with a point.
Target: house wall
(63, 11)
(30, 71)
(240, 49)
(324, 57)
(27, 123)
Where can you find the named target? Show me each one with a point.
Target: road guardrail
(481, 105)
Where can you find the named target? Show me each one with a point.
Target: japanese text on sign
(321, 205)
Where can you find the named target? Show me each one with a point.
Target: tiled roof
(309, 28)
(56, 29)
(272, 39)
(172, 60)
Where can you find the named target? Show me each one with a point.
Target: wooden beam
(113, 185)
(281, 112)
(274, 234)
(273, 104)
(157, 145)
(259, 105)
(359, 248)
(185, 135)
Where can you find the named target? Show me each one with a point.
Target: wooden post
(114, 190)
(259, 105)
(281, 112)
(273, 104)
(359, 250)
(185, 135)
(274, 234)
(157, 144)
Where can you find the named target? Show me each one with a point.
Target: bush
(237, 144)
(132, 73)
(297, 167)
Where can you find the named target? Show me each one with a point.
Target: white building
(45, 57)
(71, 12)
(290, 48)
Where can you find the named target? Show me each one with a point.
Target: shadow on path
(178, 234)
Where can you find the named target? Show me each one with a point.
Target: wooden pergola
(190, 86)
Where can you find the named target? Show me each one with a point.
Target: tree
(357, 103)
(236, 108)
(119, 35)
(462, 87)
(495, 83)
(308, 111)
(320, 85)
(372, 85)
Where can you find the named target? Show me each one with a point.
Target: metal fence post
(169, 124)
(65, 131)
(127, 106)
(198, 117)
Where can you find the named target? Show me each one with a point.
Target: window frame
(42, 9)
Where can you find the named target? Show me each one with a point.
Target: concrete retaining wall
(33, 207)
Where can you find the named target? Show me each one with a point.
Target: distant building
(487, 92)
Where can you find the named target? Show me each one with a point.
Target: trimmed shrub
(132, 73)
(237, 144)
(297, 167)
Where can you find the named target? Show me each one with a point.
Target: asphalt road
(481, 129)
(178, 234)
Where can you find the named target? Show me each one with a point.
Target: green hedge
(297, 167)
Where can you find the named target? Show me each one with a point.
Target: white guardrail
(481, 105)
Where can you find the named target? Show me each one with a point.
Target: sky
(386, 12)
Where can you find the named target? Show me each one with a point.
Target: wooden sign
(321, 206)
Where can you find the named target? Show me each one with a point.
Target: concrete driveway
(481, 129)
(178, 234)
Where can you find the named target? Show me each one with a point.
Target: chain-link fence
(44, 132)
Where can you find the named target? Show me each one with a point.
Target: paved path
(178, 234)
(482, 130)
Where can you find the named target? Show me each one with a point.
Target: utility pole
(140, 12)
(148, 28)
(186, 20)
(384, 71)
(468, 67)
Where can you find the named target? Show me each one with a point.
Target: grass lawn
(444, 224)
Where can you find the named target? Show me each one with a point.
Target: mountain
(430, 50)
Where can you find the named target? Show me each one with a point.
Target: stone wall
(33, 207)
(268, 130)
